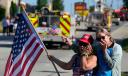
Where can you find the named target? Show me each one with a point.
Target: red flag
(26, 49)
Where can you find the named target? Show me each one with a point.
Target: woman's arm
(116, 57)
(63, 65)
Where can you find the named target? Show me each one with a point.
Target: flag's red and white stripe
(24, 62)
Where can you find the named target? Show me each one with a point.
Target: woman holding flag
(83, 62)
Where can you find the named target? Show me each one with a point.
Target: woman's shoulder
(94, 57)
(117, 46)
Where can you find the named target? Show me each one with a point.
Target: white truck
(95, 20)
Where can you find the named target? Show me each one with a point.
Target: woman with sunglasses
(83, 62)
(109, 54)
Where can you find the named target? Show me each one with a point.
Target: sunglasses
(82, 44)
(99, 38)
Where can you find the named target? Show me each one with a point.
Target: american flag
(26, 49)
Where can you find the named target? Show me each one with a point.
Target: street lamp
(99, 5)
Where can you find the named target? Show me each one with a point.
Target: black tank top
(77, 70)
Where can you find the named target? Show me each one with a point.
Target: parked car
(116, 21)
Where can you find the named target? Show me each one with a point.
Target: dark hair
(91, 39)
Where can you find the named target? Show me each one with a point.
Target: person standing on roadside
(8, 25)
(109, 54)
(83, 62)
(4, 23)
(12, 21)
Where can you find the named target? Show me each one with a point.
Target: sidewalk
(120, 34)
(6, 41)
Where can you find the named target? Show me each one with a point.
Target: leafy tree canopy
(2, 13)
(125, 3)
(13, 9)
(91, 8)
(58, 5)
(41, 3)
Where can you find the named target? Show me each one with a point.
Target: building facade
(6, 4)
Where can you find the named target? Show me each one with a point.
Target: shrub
(125, 45)
(2, 13)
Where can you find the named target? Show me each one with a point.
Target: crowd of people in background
(9, 25)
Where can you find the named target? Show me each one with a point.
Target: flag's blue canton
(21, 36)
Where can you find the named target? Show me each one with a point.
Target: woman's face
(85, 47)
(103, 37)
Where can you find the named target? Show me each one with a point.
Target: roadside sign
(80, 6)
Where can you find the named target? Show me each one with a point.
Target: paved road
(44, 67)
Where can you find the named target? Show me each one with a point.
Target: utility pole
(83, 11)
(50, 5)
(100, 5)
(111, 3)
(50, 9)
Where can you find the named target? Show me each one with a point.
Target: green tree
(2, 13)
(125, 3)
(13, 9)
(91, 8)
(41, 3)
(58, 5)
